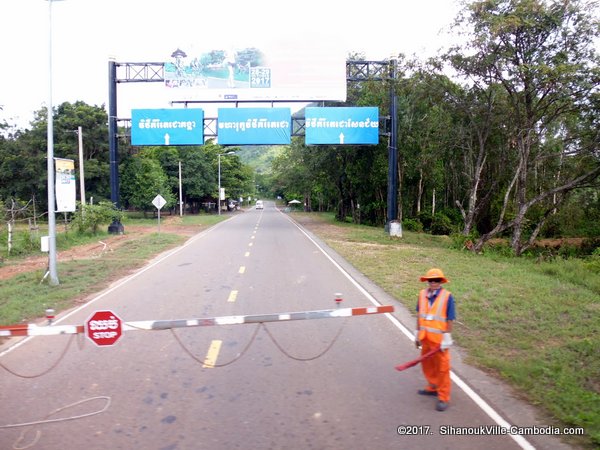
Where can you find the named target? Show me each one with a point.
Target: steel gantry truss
(154, 72)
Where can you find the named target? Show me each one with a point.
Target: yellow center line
(212, 354)
(242, 269)
(250, 244)
(232, 296)
(247, 254)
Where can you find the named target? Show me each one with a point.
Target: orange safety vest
(432, 319)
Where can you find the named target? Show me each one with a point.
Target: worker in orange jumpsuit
(435, 315)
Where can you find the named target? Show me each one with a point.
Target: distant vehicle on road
(259, 204)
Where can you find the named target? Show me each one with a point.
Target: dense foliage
(144, 172)
(500, 149)
(507, 146)
(90, 217)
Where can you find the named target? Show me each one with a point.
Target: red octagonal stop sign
(103, 328)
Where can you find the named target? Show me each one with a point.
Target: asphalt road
(308, 384)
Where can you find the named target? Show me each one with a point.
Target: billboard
(64, 185)
(342, 126)
(254, 126)
(281, 71)
(167, 126)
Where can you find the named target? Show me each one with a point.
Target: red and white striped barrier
(52, 330)
(36, 330)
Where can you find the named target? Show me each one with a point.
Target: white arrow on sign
(167, 139)
(341, 138)
(159, 201)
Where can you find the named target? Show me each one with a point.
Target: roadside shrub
(591, 246)
(412, 225)
(592, 263)
(568, 251)
(552, 228)
(587, 248)
(460, 241)
(499, 248)
(90, 217)
(441, 225)
(454, 215)
(425, 218)
(23, 242)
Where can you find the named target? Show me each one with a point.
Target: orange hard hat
(434, 273)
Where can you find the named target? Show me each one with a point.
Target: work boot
(441, 406)
(426, 392)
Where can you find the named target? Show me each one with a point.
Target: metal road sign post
(159, 202)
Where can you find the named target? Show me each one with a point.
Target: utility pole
(219, 176)
(180, 193)
(81, 180)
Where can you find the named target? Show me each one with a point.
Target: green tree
(93, 121)
(293, 177)
(23, 167)
(542, 54)
(479, 157)
(143, 179)
(349, 179)
(428, 138)
(198, 176)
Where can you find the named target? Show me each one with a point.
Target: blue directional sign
(167, 127)
(340, 126)
(254, 126)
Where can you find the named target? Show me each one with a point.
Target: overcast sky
(87, 32)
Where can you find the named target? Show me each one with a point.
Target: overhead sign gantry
(356, 72)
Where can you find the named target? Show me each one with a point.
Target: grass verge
(25, 298)
(533, 324)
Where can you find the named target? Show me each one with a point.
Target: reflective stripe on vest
(432, 318)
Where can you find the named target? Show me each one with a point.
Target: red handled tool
(418, 360)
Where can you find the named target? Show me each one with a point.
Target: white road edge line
(520, 440)
(495, 416)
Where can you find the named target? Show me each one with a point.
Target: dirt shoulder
(104, 245)
(173, 225)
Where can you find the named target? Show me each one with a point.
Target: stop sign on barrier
(103, 328)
